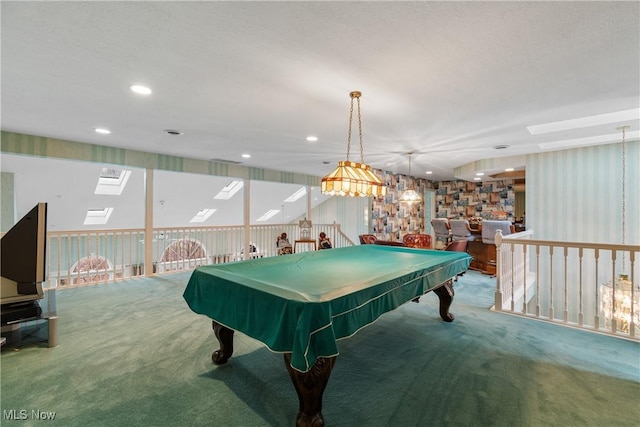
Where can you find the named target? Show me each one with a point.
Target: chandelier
(410, 195)
(351, 178)
(619, 299)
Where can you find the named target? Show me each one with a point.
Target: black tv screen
(23, 249)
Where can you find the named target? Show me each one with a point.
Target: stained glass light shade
(410, 196)
(351, 178)
(354, 180)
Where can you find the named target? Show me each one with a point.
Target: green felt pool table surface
(304, 303)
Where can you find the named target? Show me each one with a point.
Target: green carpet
(133, 354)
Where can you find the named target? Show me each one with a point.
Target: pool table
(302, 304)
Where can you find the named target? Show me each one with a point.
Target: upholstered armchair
(417, 241)
(461, 230)
(441, 229)
(367, 239)
(489, 228)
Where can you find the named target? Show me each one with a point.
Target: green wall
(7, 201)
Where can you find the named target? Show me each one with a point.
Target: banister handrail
(579, 282)
(584, 285)
(69, 252)
(557, 243)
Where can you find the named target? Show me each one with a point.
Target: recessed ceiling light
(142, 90)
(246, 156)
(312, 138)
(509, 169)
(477, 179)
(582, 122)
(172, 132)
(429, 172)
(479, 173)
(102, 131)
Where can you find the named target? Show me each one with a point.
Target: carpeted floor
(133, 354)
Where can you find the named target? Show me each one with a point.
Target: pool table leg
(310, 387)
(225, 338)
(445, 293)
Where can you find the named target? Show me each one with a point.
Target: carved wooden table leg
(310, 387)
(225, 338)
(445, 293)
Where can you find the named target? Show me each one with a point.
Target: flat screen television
(23, 258)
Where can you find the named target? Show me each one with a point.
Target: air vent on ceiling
(231, 162)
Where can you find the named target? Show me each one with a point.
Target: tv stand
(28, 313)
(29, 322)
(20, 312)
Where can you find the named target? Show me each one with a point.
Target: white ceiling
(447, 80)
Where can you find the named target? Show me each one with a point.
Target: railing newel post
(498, 305)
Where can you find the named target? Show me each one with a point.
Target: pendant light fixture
(350, 178)
(410, 195)
(623, 129)
(620, 298)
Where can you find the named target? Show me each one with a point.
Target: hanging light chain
(624, 201)
(410, 178)
(349, 135)
(355, 95)
(360, 128)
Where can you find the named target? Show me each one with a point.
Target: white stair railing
(585, 285)
(89, 257)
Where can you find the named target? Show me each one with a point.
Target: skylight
(268, 215)
(583, 122)
(591, 140)
(227, 192)
(97, 216)
(295, 196)
(203, 215)
(112, 181)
